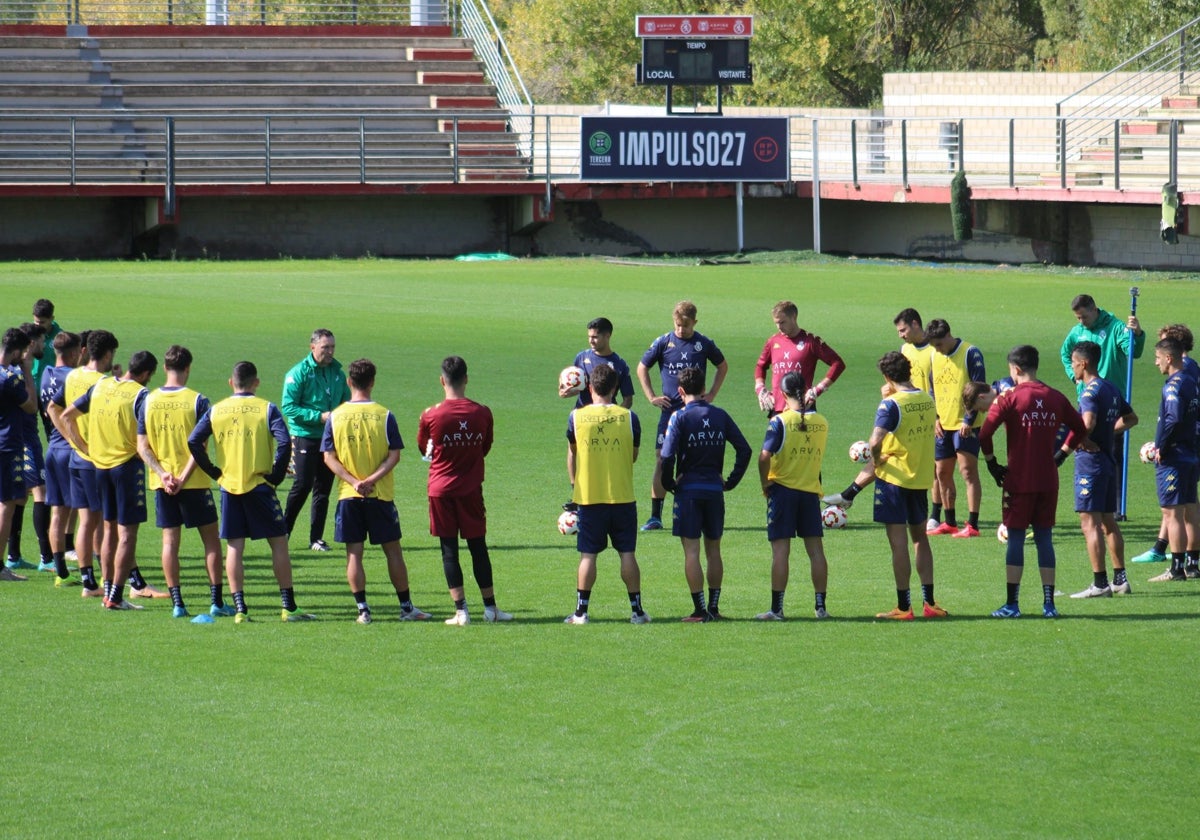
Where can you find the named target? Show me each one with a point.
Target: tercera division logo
(600, 145)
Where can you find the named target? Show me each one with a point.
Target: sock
(70, 541)
(14, 536)
(461, 605)
(656, 506)
(360, 600)
(904, 599)
(239, 601)
(698, 602)
(1160, 547)
(714, 599)
(1048, 594)
(136, 581)
(1100, 579)
(489, 601)
(288, 598)
(405, 598)
(88, 574)
(635, 602)
(108, 588)
(850, 492)
(935, 512)
(116, 592)
(1014, 593)
(1177, 561)
(60, 564)
(951, 518)
(214, 592)
(819, 600)
(777, 601)
(927, 593)
(973, 519)
(1193, 557)
(1118, 576)
(581, 602)
(176, 596)
(41, 527)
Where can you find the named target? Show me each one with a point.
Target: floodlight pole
(741, 225)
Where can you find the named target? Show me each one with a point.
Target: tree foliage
(831, 52)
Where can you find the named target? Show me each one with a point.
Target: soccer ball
(1148, 452)
(572, 380)
(1002, 533)
(833, 517)
(568, 522)
(860, 451)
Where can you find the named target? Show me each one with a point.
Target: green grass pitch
(136, 724)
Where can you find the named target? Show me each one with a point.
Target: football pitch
(133, 723)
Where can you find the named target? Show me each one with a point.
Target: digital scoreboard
(695, 61)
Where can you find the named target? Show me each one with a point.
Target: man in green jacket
(312, 389)
(1102, 327)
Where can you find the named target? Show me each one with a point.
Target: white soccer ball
(1002, 533)
(860, 452)
(833, 517)
(1148, 452)
(568, 522)
(572, 380)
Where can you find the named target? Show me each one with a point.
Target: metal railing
(476, 22)
(229, 12)
(386, 146)
(1132, 89)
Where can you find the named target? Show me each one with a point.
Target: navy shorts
(12, 476)
(896, 505)
(950, 444)
(663, 419)
(85, 493)
(35, 466)
(123, 492)
(192, 508)
(357, 520)
(599, 523)
(58, 477)
(255, 515)
(697, 514)
(1176, 484)
(793, 513)
(1095, 493)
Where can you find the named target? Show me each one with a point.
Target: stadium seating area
(358, 106)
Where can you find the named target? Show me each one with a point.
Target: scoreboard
(695, 61)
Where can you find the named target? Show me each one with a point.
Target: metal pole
(1121, 508)
(854, 153)
(816, 178)
(741, 226)
(1116, 154)
(961, 148)
(1012, 154)
(362, 150)
(1062, 153)
(169, 173)
(904, 153)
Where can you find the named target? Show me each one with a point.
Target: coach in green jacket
(1112, 335)
(312, 389)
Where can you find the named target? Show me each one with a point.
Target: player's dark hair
(1089, 351)
(319, 334)
(361, 373)
(177, 358)
(15, 339)
(691, 380)
(793, 386)
(908, 316)
(34, 331)
(244, 374)
(43, 308)
(143, 361)
(601, 325)
(1180, 333)
(1024, 357)
(65, 341)
(1171, 346)
(1082, 302)
(100, 343)
(938, 328)
(895, 366)
(454, 370)
(603, 380)
(785, 307)
(973, 391)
